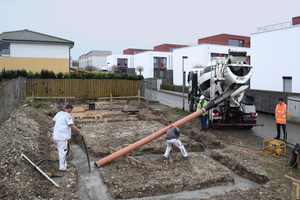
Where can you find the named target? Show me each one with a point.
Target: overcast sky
(115, 25)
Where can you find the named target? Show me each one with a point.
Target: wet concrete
(91, 186)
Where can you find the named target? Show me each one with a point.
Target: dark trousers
(283, 129)
(203, 121)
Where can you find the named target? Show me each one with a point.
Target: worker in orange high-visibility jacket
(281, 113)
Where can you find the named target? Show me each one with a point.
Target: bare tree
(139, 69)
(91, 68)
(75, 63)
(116, 69)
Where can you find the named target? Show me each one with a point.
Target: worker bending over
(172, 139)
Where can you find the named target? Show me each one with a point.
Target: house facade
(94, 58)
(155, 64)
(124, 62)
(33, 51)
(275, 55)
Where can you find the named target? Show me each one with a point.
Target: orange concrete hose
(146, 140)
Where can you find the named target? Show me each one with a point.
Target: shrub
(36, 75)
(51, 74)
(66, 75)
(21, 73)
(4, 74)
(100, 75)
(59, 75)
(74, 76)
(140, 77)
(12, 74)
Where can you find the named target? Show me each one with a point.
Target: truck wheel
(191, 106)
(247, 127)
(214, 124)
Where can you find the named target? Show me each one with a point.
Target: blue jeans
(203, 121)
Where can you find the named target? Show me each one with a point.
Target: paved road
(174, 99)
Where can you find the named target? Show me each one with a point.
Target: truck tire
(191, 106)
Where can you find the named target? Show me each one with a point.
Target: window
(155, 62)
(125, 62)
(224, 55)
(5, 49)
(163, 62)
(159, 73)
(213, 55)
(237, 43)
(119, 61)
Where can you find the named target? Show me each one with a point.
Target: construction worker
(63, 123)
(172, 139)
(281, 112)
(202, 104)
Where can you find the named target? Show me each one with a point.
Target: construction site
(215, 157)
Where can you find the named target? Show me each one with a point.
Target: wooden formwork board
(88, 114)
(78, 109)
(127, 158)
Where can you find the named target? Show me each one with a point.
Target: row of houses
(273, 51)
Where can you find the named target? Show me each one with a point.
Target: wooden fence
(81, 88)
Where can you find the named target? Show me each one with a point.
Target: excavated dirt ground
(29, 130)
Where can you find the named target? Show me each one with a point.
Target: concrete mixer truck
(213, 80)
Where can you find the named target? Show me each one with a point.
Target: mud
(29, 130)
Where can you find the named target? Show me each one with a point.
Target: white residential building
(155, 63)
(275, 57)
(94, 58)
(123, 62)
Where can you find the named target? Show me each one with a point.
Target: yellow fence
(81, 88)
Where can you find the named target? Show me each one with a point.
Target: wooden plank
(102, 103)
(53, 97)
(79, 109)
(128, 158)
(286, 176)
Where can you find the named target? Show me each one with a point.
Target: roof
(31, 36)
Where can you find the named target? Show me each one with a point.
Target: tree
(116, 69)
(91, 68)
(139, 69)
(75, 63)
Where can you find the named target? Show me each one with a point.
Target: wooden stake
(32, 99)
(295, 191)
(139, 94)
(65, 100)
(110, 101)
(147, 100)
(127, 158)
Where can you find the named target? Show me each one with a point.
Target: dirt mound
(243, 163)
(158, 176)
(27, 131)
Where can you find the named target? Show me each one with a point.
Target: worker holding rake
(63, 124)
(172, 139)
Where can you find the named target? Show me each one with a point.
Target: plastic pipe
(149, 138)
